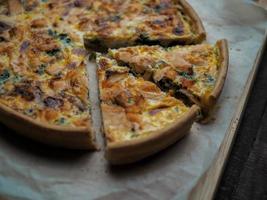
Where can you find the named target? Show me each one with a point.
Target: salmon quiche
(43, 83)
(115, 23)
(139, 119)
(150, 94)
(195, 73)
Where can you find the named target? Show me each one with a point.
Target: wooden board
(207, 185)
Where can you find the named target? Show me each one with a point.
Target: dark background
(245, 176)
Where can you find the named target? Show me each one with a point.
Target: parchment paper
(32, 171)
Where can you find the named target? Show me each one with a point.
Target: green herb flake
(41, 69)
(130, 101)
(60, 121)
(134, 135)
(209, 79)
(53, 52)
(52, 33)
(4, 76)
(17, 78)
(186, 75)
(63, 37)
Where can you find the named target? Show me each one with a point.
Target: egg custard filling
(131, 106)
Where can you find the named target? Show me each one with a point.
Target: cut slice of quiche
(43, 83)
(195, 73)
(139, 119)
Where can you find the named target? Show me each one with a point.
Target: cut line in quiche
(194, 73)
(138, 118)
(43, 83)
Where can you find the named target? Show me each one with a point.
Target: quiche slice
(195, 73)
(139, 119)
(43, 83)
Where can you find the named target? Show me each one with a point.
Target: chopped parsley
(209, 79)
(64, 38)
(52, 33)
(4, 76)
(134, 135)
(130, 101)
(41, 69)
(92, 56)
(60, 121)
(17, 78)
(186, 75)
(53, 52)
